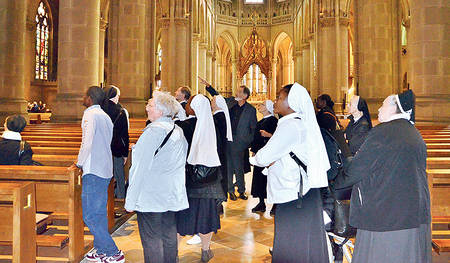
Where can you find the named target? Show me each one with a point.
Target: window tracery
(43, 25)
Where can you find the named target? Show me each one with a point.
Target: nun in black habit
(263, 131)
(390, 203)
(360, 123)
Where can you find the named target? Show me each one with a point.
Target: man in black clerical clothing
(243, 123)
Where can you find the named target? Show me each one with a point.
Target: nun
(263, 131)
(360, 123)
(299, 226)
(202, 217)
(390, 203)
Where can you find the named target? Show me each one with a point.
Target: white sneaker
(194, 240)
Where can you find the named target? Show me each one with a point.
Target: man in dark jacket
(243, 124)
(14, 151)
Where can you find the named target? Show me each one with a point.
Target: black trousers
(158, 233)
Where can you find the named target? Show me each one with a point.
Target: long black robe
(259, 182)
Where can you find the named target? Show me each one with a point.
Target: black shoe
(117, 215)
(233, 196)
(207, 255)
(261, 207)
(271, 251)
(220, 209)
(272, 211)
(243, 196)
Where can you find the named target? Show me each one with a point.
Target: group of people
(189, 136)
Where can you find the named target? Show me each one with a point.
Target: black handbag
(201, 174)
(341, 219)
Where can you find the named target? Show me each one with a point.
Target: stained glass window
(42, 42)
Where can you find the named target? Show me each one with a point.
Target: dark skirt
(299, 232)
(202, 216)
(400, 246)
(259, 183)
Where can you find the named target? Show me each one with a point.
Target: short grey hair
(165, 103)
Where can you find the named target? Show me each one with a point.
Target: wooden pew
(58, 189)
(55, 160)
(439, 185)
(438, 162)
(17, 219)
(438, 152)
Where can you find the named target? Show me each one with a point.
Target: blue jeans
(94, 197)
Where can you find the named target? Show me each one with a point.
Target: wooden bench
(438, 152)
(439, 186)
(17, 219)
(39, 117)
(58, 189)
(438, 162)
(55, 160)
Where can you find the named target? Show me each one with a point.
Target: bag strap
(302, 165)
(165, 140)
(338, 123)
(21, 149)
(118, 116)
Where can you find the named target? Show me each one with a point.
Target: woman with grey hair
(157, 180)
(390, 203)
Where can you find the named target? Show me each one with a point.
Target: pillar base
(68, 108)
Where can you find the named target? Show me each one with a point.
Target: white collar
(267, 116)
(397, 116)
(11, 135)
(356, 119)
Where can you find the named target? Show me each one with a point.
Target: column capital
(326, 21)
(344, 21)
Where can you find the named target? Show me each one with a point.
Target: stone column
(377, 50)
(306, 66)
(209, 67)
(221, 76)
(202, 67)
(430, 59)
(101, 51)
(195, 45)
(12, 58)
(234, 79)
(175, 55)
(333, 58)
(127, 53)
(273, 91)
(298, 67)
(78, 56)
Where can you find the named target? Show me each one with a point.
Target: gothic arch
(231, 41)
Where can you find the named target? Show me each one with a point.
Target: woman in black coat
(263, 131)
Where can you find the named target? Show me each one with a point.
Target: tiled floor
(244, 237)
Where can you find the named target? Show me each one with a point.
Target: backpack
(338, 152)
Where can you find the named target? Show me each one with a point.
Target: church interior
(51, 51)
